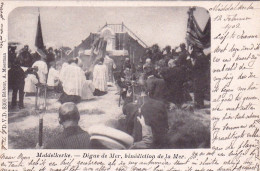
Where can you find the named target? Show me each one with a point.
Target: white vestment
(42, 70)
(74, 79)
(100, 77)
(30, 83)
(52, 77)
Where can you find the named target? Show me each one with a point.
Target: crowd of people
(166, 79)
(162, 79)
(29, 71)
(171, 76)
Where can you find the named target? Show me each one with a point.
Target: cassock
(42, 70)
(30, 83)
(100, 77)
(52, 77)
(110, 66)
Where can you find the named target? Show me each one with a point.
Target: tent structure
(121, 42)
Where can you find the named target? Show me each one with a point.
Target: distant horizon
(68, 26)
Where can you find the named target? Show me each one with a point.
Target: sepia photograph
(109, 78)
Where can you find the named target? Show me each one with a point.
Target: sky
(68, 26)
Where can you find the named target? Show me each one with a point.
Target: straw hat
(109, 137)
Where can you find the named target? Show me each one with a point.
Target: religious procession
(112, 91)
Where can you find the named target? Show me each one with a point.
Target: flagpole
(190, 13)
(39, 44)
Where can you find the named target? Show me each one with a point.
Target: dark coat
(174, 79)
(182, 59)
(50, 58)
(26, 59)
(157, 88)
(201, 77)
(16, 77)
(155, 115)
(71, 138)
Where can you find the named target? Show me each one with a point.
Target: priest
(72, 82)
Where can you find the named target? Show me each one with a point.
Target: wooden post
(43, 110)
(40, 129)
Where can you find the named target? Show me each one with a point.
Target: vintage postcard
(130, 85)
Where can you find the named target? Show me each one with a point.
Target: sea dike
(143, 156)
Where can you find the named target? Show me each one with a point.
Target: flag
(195, 36)
(39, 40)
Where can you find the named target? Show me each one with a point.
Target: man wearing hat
(72, 137)
(25, 57)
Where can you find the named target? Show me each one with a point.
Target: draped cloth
(195, 35)
(100, 77)
(110, 66)
(73, 80)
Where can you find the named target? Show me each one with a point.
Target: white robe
(74, 79)
(52, 77)
(30, 83)
(42, 70)
(100, 77)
